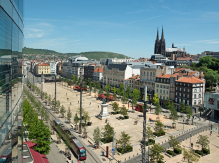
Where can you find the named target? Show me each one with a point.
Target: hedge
(89, 123)
(171, 153)
(159, 134)
(105, 141)
(160, 162)
(126, 117)
(206, 151)
(177, 151)
(199, 152)
(127, 149)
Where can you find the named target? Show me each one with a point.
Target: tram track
(91, 156)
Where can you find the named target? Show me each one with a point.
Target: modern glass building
(11, 43)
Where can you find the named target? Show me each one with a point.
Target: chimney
(187, 73)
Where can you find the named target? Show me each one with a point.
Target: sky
(127, 27)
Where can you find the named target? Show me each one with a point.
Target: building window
(188, 90)
(187, 102)
(180, 89)
(160, 91)
(180, 94)
(187, 96)
(199, 101)
(164, 86)
(194, 95)
(160, 86)
(200, 89)
(167, 92)
(179, 100)
(199, 95)
(184, 89)
(176, 88)
(195, 90)
(176, 100)
(164, 97)
(163, 91)
(160, 97)
(183, 95)
(184, 84)
(180, 83)
(176, 93)
(194, 102)
(157, 85)
(157, 90)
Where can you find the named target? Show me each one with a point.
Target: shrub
(159, 134)
(152, 141)
(129, 148)
(105, 141)
(160, 161)
(206, 151)
(83, 124)
(126, 117)
(177, 151)
(121, 117)
(199, 152)
(171, 153)
(89, 123)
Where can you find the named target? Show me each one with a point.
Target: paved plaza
(90, 104)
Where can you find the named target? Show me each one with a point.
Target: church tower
(162, 44)
(157, 44)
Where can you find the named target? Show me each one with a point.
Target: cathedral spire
(157, 35)
(162, 36)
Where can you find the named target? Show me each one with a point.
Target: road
(91, 156)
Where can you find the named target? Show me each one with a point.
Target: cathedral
(160, 48)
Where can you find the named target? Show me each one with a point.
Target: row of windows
(163, 80)
(196, 102)
(163, 86)
(188, 90)
(149, 74)
(164, 91)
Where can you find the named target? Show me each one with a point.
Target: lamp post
(80, 125)
(183, 124)
(144, 127)
(190, 139)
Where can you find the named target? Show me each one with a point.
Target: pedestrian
(210, 132)
(98, 106)
(78, 102)
(66, 94)
(165, 162)
(90, 103)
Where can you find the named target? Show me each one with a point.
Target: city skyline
(127, 28)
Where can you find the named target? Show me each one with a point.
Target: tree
(149, 133)
(159, 127)
(57, 105)
(40, 134)
(86, 117)
(123, 111)
(90, 87)
(182, 108)
(69, 114)
(155, 99)
(173, 142)
(124, 98)
(128, 91)
(100, 92)
(124, 141)
(173, 114)
(203, 141)
(188, 112)
(95, 90)
(115, 96)
(49, 98)
(155, 153)
(115, 106)
(114, 89)
(158, 109)
(167, 104)
(107, 95)
(97, 136)
(107, 88)
(120, 91)
(108, 132)
(62, 110)
(76, 119)
(135, 96)
(190, 155)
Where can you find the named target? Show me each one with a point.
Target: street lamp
(190, 139)
(144, 126)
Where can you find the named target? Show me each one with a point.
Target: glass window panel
(6, 4)
(15, 16)
(20, 24)
(21, 8)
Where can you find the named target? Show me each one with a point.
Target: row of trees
(124, 143)
(39, 133)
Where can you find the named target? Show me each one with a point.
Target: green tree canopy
(124, 141)
(159, 127)
(108, 132)
(203, 140)
(97, 135)
(115, 106)
(114, 89)
(69, 114)
(128, 91)
(173, 142)
(155, 153)
(123, 111)
(188, 112)
(190, 155)
(155, 99)
(135, 96)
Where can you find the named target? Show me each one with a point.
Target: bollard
(133, 155)
(129, 157)
(137, 153)
(125, 159)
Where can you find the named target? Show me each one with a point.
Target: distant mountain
(91, 55)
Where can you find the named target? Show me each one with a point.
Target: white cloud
(212, 41)
(136, 12)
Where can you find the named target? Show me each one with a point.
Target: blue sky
(123, 26)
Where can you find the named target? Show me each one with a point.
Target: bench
(168, 155)
(72, 125)
(91, 142)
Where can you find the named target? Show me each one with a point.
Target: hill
(91, 55)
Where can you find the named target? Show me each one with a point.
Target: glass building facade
(11, 43)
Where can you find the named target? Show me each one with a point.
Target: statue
(104, 100)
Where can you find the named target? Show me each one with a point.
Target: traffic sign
(112, 150)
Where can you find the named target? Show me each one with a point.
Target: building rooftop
(190, 79)
(164, 76)
(175, 49)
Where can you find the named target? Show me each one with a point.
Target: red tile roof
(134, 77)
(190, 79)
(164, 76)
(98, 69)
(36, 155)
(127, 79)
(174, 75)
(186, 58)
(44, 64)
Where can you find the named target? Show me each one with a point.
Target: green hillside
(91, 55)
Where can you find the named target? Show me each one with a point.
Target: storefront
(211, 102)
